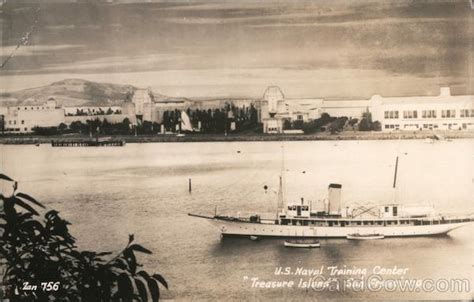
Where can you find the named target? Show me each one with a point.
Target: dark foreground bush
(41, 252)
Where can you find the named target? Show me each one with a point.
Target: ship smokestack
(334, 197)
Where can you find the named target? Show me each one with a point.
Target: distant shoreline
(347, 135)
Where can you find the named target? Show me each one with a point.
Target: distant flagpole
(395, 174)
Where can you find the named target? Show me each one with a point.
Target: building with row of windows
(144, 106)
(22, 119)
(411, 113)
(441, 112)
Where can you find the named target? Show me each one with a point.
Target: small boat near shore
(302, 243)
(358, 236)
(253, 238)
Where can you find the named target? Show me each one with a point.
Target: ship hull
(233, 228)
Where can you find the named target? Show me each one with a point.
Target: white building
(143, 100)
(275, 109)
(272, 110)
(413, 113)
(347, 108)
(159, 108)
(302, 109)
(149, 108)
(22, 119)
(443, 112)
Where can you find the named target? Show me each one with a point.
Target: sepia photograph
(236, 150)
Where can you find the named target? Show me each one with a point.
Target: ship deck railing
(353, 221)
(376, 221)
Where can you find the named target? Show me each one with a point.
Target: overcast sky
(224, 48)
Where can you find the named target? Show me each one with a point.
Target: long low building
(22, 119)
(409, 113)
(442, 112)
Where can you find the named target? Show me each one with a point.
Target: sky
(340, 49)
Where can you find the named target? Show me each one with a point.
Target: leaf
(88, 254)
(139, 248)
(125, 286)
(26, 216)
(103, 254)
(98, 256)
(120, 263)
(131, 260)
(51, 214)
(9, 209)
(59, 228)
(28, 197)
(33, 224)
(3, 176)
(24, 205)
(160, 279)
(73, 253)
(141, 289)
(152, 286)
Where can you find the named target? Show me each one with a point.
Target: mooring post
(189, 182)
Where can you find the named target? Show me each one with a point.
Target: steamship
(299, 220)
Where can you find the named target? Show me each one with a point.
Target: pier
(110, 143)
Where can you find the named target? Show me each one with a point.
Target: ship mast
(281, 200)
(280, 197)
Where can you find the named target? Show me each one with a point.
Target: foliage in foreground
(36, 250)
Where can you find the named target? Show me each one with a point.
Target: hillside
(71, 92)
(77, 92)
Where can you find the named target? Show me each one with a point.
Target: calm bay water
(108, 193)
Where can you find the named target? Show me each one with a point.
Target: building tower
(273, 103)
